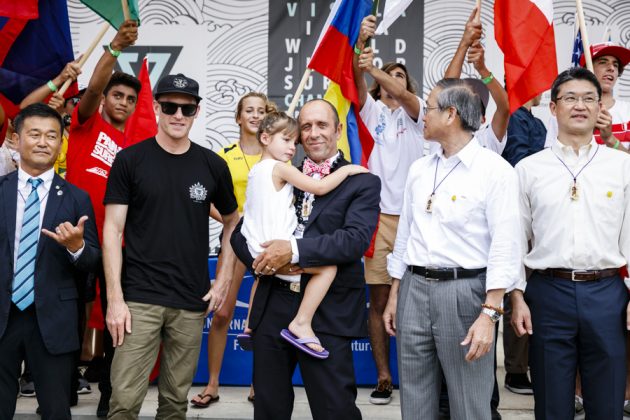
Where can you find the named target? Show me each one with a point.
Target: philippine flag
(524, 31)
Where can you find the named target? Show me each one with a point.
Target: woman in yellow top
(240, 157)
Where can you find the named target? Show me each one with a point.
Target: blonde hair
(276, 122)
(269, 105)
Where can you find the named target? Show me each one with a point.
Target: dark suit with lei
(338, 232)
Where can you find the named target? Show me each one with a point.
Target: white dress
(268, 214)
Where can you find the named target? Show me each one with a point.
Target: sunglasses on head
(170, 108)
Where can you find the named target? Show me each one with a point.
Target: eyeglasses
(430, 108)
(170, 108)
(572, 99)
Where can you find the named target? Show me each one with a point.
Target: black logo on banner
(294, 28)
(161, 60)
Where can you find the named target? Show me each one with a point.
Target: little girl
(269, 214)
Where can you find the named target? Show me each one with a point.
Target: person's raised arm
(398, 91)
(322, 186)
(501, 116)
(472, 32)
(368, 27)
(72, 70)
(118, 316)
(126, 36)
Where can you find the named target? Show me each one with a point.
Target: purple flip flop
(245, 341)
(301, 343)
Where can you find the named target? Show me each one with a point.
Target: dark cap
(177, 83)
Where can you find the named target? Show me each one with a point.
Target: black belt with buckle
(579, 275)
(293, 286)
(445, 273)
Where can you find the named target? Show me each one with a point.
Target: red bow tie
(309, 168)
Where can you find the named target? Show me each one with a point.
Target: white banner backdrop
(224, 45)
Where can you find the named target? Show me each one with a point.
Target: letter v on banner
(333, 58)
(524, 31)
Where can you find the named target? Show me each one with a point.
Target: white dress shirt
(474, 222)
(590, 233)
(24, 190)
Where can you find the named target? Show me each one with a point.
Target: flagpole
(586, 45)
(86, 55)
(478, 15)
(125, 8)
(298, 91)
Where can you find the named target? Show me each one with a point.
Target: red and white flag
(524, 31)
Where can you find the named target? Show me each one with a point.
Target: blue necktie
(24, 278)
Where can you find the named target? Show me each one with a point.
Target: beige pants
(376, 267)
(180, 333)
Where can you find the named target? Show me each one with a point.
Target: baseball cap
(608, 48)
(177, 83)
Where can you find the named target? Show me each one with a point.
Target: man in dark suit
(332, 229)
(39, 273)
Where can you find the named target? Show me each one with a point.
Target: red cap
(608, 48)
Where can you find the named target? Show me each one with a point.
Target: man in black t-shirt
(158, 194)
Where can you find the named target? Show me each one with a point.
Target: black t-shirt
(166, 230)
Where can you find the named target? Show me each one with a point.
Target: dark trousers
(515, 348)
(51, 372)
(577, 325)
(330, 384)
(105, 384)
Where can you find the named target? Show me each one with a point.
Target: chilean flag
(524, 31)
(333, 58)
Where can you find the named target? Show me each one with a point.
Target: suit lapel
(9, 196)
(55, 197)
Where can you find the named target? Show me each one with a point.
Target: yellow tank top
(239, 164)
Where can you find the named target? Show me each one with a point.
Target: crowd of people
(455, 223)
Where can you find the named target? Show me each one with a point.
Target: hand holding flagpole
(87, 53)
(585, 43)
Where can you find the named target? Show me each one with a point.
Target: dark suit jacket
(338, 232)
(56, 275)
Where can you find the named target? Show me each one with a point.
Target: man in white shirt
(456, 252)
(575, 203)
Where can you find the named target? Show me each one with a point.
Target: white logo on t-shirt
(105, 149)
(98, 171)
(198, 193)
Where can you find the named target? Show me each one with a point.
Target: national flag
(393, 10)
(33, 51)
(333, 58)
(142, 125)
(24, 9)
(578, 47)
(524, 31)
(112, 11)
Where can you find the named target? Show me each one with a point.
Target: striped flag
(578, 47)
(333, 58)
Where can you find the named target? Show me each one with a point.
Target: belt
(436, 273)
(293, 286)
(579, 275)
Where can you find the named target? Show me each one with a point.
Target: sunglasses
(170, 108)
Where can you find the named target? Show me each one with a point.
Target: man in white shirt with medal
(575, 209)
(456, 252)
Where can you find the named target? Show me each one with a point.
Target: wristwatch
(494, 315)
